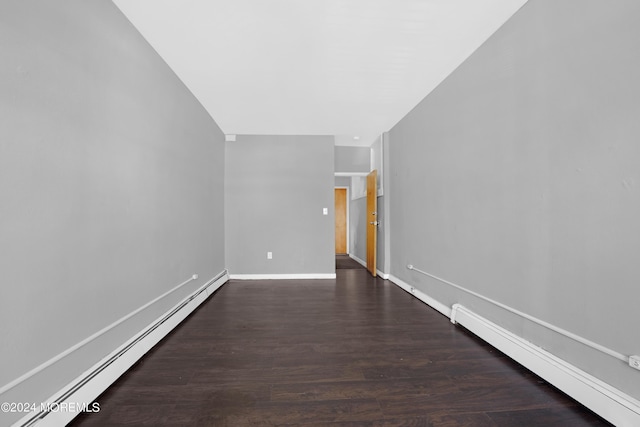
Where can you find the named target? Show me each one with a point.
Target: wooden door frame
(348, 206)
(372, 222)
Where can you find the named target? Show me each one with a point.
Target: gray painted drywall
(518, 178)
(358, 228)
(358, 231)
(342, 181)
(276, 188)
(385, 210)
(111, 181)
(352, 159)
(380, 252)
(377, 163)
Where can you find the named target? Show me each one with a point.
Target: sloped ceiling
(350, 68)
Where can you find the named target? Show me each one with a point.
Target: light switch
(325, 211)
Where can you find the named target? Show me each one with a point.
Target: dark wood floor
(346, 262)
(355, 351)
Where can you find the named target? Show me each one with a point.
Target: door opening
(372, 222)
(341, 220)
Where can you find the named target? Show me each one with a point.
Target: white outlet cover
(325, 211)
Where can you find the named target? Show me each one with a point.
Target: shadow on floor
(345, 262)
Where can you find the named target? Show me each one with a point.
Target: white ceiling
(314, 67)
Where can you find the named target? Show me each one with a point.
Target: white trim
(605, 400)
(349, 174)
(87, 340)
(385, 276)
(358, 260)
(420, 295)
(568, 334)
(282, 276)
(89, 385)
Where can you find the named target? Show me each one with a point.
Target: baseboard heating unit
(88, 386)
(605, 400)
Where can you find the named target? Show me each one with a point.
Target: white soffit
(314, 67)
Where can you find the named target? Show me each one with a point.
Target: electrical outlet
(634, 362)
(269, 255)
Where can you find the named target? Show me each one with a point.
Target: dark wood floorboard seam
(354, 351)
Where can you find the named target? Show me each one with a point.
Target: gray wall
(358, 228)
(358, 231)
(380, 248)
(276, 187)
(352, 159)
(342, 181)
(518, 178)
(111, 182)
(384, 207)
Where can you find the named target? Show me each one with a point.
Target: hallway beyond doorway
(345, 262)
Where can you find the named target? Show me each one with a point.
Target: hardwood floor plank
(402, 422)
(360, 389)
(577, 416)
(476, 419)
(355, 351)
(272, 414)
(487, 398)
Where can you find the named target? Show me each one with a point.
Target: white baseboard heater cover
(605, 400)
(97, 379)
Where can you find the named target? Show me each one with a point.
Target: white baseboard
(358, 260)
(603, 399)
(382, 274)
(385, 276)
(89, 385)
(421, 296)
(282, 276)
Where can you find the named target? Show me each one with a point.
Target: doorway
(342, 223)
(372, 222)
